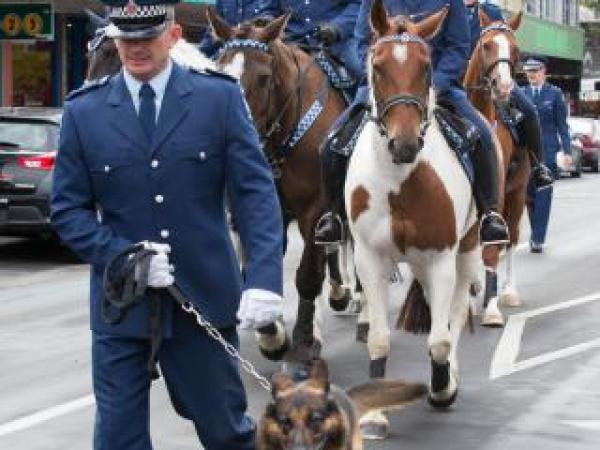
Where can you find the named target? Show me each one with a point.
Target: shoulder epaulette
(216, 73)
(89, 86)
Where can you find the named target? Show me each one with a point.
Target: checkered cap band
(133, 11)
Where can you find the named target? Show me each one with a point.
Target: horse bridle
(420, 102)
(484, 73)
(276, 150)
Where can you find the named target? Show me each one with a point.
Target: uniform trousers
(540, 205)
(203, 382)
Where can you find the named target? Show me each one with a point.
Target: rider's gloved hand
(259, 308)
(159, 271)
(328, 34)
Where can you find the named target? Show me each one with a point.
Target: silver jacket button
(164, 234)
(159, 199)
(154, 163)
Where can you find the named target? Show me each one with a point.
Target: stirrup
(498, 241)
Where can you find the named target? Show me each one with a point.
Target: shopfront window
(32, 73)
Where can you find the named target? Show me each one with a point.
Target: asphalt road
(541, 392)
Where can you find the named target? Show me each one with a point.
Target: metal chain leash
(217, 336)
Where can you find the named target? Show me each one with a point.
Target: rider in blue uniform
(529, 125)
(328, 22)
(450, 53)
(552, 110)
(235, 12)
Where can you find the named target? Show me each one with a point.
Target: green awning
(550, 39)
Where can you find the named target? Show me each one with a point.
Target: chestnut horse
(293, 106)
(409, 200)
(489, 82)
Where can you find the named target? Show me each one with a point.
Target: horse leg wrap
(491, 286)
(377, 367)
(440, 376)
(303, 331)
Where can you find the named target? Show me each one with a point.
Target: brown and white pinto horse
(489, 83)
(409, 200)
(289, 96)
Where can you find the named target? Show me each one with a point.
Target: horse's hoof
(341, 303)
(362, 332)
(274, 346)
(374, 426)
(492, 320)
(442, 402)
(510, 298)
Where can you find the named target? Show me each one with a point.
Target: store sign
(550, 39)
(26, 21)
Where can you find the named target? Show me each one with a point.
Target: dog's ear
(280, 383)
(319, 375)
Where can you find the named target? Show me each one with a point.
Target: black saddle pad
(343, 137)
(462, 136)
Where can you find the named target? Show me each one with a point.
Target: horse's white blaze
(236, 67)
(401, 53)
(506, 80)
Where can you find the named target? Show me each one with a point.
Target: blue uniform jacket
(552, 111)
(492, 11)
(307, 15)
(450, 48)
(113, 188)
(235, 12)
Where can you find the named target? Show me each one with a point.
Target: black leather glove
(328, 34)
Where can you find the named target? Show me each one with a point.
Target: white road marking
(590, 425)
(504, 360)
(45, 415)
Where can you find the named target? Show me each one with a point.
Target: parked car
(28, 145)
(587, 133)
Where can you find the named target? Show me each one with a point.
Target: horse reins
(276, 149)
(484, 73)
(419, 102)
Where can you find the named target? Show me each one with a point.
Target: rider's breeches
(529, 127)
(484, 155)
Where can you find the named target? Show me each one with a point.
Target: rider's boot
(530, 131)
(493, 229)
(329, 228)
(541, 176)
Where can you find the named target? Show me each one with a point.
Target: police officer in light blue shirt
(529, 126)
(235, 12)
(145, 157)
(552, 110)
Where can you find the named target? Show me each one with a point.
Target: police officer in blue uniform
(145, 157)
(316, 22)
(450, 53)
(552, 110)
(529, 125)
(235, 12)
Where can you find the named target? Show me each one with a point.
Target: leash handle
(214, 333)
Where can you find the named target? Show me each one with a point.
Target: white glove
(159, 271)
(259, 308)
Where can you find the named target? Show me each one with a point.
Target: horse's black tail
(415, 316)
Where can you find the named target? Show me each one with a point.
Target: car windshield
(28, 136)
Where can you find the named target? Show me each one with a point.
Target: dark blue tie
(148, 110)
(536, 95)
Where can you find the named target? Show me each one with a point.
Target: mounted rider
(528, 124)
(450, 53)
(328, 23)
(235, 12)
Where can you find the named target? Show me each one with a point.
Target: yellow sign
(11, 25)
(32, 24)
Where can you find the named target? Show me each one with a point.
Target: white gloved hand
(159, 271)
(259, 308)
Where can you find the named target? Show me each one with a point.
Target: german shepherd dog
(314, 415)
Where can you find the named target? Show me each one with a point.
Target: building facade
(40, 69)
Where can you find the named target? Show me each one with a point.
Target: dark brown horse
(489, 82)
(293, 106)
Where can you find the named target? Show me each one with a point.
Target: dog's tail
(384, 394)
